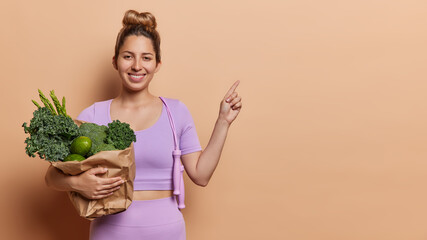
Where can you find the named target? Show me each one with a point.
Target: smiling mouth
(136, 77)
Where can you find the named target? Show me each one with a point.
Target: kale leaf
(50, 135)
(120, 135)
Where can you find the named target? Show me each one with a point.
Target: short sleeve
(87, 114)
(189, 140)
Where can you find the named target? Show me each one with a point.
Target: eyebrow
(144, 53)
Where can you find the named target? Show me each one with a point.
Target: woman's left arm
(201, 165)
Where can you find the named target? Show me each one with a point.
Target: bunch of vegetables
(54, 136)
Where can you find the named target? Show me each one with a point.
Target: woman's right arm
(87, 183)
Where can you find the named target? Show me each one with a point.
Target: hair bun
(146, 19)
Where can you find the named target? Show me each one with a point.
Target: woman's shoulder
(88, 113)
(170, 100)
(175, 104)
(179, 110)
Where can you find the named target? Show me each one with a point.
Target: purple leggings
(158, 219)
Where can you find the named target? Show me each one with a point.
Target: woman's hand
(230, 105)
(93, 187)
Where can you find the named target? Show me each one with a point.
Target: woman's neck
(128, 98)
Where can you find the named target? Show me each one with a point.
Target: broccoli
(104, 147)
(96, 133)
(117, 136)
(120, 135)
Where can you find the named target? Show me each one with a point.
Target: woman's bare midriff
(151, 194)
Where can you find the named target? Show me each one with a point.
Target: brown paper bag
(119, 163)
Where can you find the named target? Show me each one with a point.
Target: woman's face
(136, 62)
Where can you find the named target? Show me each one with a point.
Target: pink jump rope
(178, 168)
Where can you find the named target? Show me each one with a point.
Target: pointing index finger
(232, 89)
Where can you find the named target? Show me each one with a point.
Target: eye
(127, 56)
(147, 58)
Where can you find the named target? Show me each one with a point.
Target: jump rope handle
(178, 178)
(176, 171)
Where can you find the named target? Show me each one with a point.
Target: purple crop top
(154, 145)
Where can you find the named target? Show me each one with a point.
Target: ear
(114, 63)
(158, 66)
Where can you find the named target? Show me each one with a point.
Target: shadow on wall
(47, 214)
(50, 211)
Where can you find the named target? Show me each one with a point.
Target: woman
(154, 213)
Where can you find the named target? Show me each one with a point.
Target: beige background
(330, 142)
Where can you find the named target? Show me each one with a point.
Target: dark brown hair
(135, 23)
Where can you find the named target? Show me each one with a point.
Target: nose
(137, 65)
